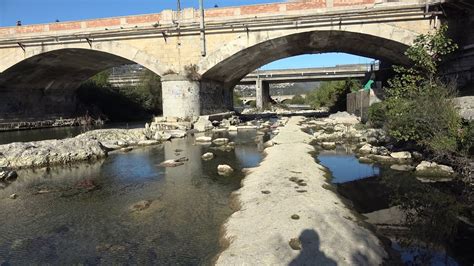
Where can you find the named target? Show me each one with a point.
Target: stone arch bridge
(41, 64)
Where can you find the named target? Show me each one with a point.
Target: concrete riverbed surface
(288, 216)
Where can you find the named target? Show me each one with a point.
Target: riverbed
(87, 213)
(371, 190)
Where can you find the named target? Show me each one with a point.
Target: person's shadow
(310, 253)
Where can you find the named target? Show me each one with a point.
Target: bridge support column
(180, 96)
(263, 94)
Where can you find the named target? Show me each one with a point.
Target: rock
(140, 206)
(171, 163)
(246, 128)
(417, 156)
(87, 184)
(269, 143)
(111, 146)
(328, 145)
(157, 136)
(220, 141)
(203, 139)
(382, 158)
(176, 133)
(369, 149)
(224, 169)
(402, 167)
(8, 175)
(295, 244)
(51, 152)
(148, 142)
(366, 149)
(401, 155)
(13, 196)
(344, 118)
(126, 149)
(207, 156)
(203, 124)
(426, 168)
(232, 128)
(295, 217)
(366, 160)
(165, 136)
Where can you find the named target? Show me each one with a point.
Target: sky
(46, 11)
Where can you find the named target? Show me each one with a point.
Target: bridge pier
(180, 96)
(186, 98)
(262, 94)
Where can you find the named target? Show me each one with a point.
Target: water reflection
(344, 166)
(82, 214)
(422, 220)
(57, 132)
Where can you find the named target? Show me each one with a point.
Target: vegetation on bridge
(125, 103)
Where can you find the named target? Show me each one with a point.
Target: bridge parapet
(191, 16)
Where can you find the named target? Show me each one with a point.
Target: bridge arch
(113, 48)
(41, 82)
(236, 59)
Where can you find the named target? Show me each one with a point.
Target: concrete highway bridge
(340, 72)
(41, 65)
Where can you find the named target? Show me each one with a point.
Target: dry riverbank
(287, 216)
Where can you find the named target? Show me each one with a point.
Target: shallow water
(57, 132)
(81, 214)
(371, 188)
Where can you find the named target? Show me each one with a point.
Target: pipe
(202, 29)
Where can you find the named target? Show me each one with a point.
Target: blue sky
(45, 11)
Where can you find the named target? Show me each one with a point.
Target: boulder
(402, 167)
(426, 168)
(364, 159)
(207, 156)
(224, 169)
(203, 124)
(8, 175)
(382, 158)
(171, 163)
(148, 142)
(366, 149)
(220, 141)
(203, 139)
(328, 145)
(344, 118)
(140, 206)
(232, 128)
(401, 155)
(176, 133)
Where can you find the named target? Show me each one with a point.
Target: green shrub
(419, 107)
(237, 98)
(377, 115)
(332, 94)
(466, 142)
(297, 99)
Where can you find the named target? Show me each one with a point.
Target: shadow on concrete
(310, 253)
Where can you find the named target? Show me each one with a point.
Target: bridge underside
(43, 86)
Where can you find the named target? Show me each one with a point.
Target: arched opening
(235, 67)
(45, 86)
